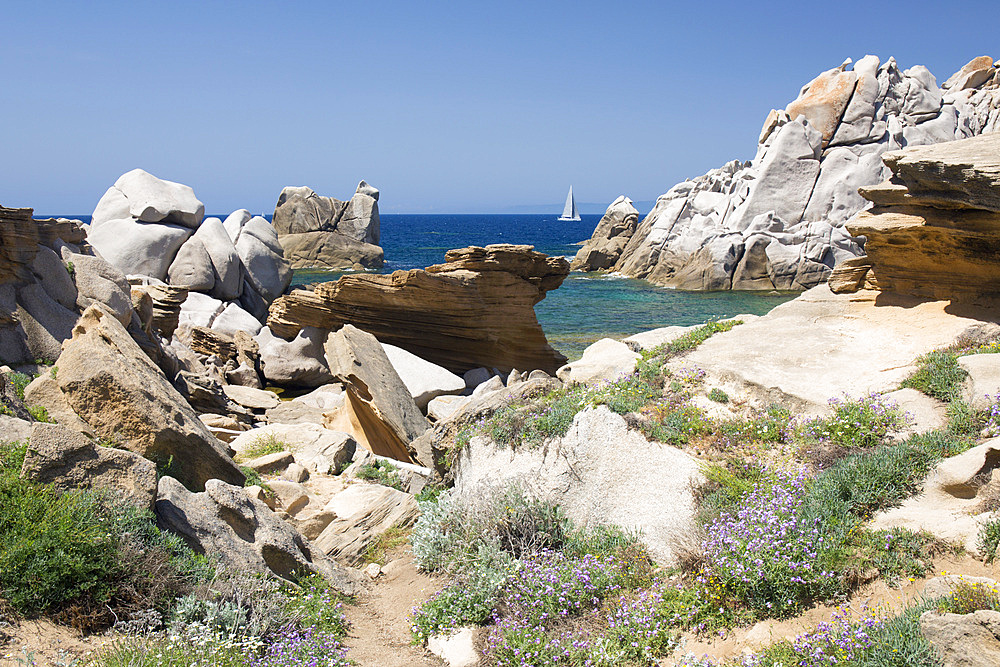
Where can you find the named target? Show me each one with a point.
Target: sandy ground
(44, 644)
(380, 629)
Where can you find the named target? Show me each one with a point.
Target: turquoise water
(587, 306)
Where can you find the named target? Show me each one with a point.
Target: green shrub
(988, 539)
(19, 381)
(381, 472)
(468, 600)
(769, 425)
(938, 375)
(83, 555)
(40, 414)
(676, 423)
(860, 422)
(899, 643)
(718, 395)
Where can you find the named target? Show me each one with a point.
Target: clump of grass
(385, 543)
(856, 422)
(938, 375)
(262, 446)
(40, 414)
(381, 472)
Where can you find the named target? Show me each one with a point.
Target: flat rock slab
(822, 345)
(248, 397)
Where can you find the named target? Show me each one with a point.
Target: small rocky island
(198, 462)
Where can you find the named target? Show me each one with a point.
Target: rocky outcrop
(954, 498)
(777, 221)
(113, 386)
(934, 229)
(475, 310)
(155, 232)
(964, 640)
(635, 484)
(224, 521)
(609, 239)
(857, 343)
(322, 232)
(47, 275)
(606, 359)
(69, 460)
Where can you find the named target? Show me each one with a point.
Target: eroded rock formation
(934, 230)
(323, 232)
(777, 221)
(476, 309)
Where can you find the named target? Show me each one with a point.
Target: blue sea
(587, 307)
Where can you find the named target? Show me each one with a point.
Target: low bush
(862, 422)
(767, 554)
(988, 539)
(381, 472)
(970, 596)
(83, 556)
(718, 395)
(242, 619)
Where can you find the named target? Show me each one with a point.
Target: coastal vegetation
(783, 526)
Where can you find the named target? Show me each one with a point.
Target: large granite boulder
(363, 513)
(299, 362)
(243, 532)
(475, 310)
(935, 228)
(379, 411)
(600, 472)
(135, 247)
(777, 221)
(423, 379)
(258, 247)
(208, 262)
(610, 237)
(113, 386)
(146, 198)
(964, 640)
(323, 232)
(70, 460)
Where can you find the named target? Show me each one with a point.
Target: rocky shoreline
(158, 372)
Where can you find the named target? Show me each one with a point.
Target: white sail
(569, 211)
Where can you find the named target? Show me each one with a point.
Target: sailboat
(570, 214)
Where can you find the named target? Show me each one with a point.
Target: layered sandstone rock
(935, 228)
(475, 310)
(323, 232)
(777, 221)
(46, 278)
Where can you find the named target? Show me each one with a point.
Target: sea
(586, 308)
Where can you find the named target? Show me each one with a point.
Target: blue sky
(449, 107)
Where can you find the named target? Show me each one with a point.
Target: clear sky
(449, 107)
